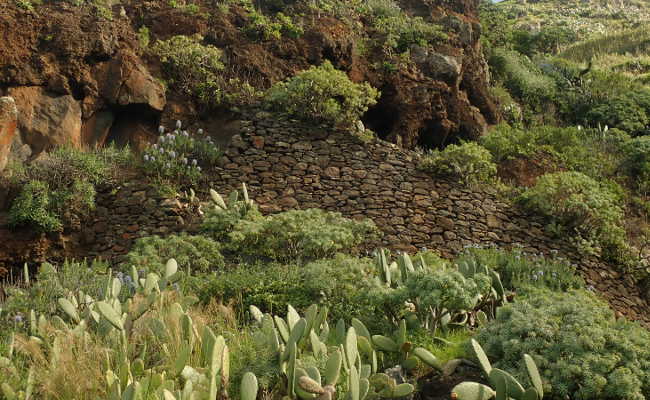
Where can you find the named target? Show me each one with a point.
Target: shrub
(340, 283)
(435, 297)
(192, 68)
(262, 27)
(575, 341)
(193, 253)
(467, 162)
(60, 186)
(322, 94)
(519, 270)
(302, 234)
(506, 143)
(218, 222)
(629, 112)
(397, 30)
(636, 160)
(522, 78)
(575, 203)
(33, 207)
(180, 156)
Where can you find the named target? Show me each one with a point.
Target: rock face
(126, 81)
(46, 121)
(70, 51)
(8, 123)
(74, 75)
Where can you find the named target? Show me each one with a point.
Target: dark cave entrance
(132, 125)
(382, 117)
(430, 137)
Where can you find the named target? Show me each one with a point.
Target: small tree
(322, 94)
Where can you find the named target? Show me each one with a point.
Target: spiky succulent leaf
(533, 372)
(249, 386)
(482, 357)
(385, 343)
(472, 391)
(69, 309)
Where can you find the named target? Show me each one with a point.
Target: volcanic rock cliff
(80, 74)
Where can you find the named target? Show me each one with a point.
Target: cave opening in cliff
(434, 136)
(382, 117)
(134, 125)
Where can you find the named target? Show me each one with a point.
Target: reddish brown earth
(67, 50)
(525, 171)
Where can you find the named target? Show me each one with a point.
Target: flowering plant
(180, 156)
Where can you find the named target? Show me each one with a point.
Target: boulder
(46, 121)
(126, 81)
(8, 124)
(96, 129)
(444, 68)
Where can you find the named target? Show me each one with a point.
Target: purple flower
(18, 318)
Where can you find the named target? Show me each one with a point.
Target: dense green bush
(262, 27)
(594, 152)
(519, 270)
(522, 78)
(629, 112)
(340, 283)
(193, 253)
(581, 350)
(468, 162)
(546, 41)
(636, 160)
(396, 30)
(33, 207)
(505, 142)
(60, 186)
(577, 204)
(322, 94)
(219, 222)
(299, 234)
(191, 67)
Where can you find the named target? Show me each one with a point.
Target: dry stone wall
(288, 166)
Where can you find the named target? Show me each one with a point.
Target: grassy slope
(613, 34)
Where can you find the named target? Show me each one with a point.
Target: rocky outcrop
(8, 123)
(437, 97)
(126, 81)
(74, 75)
(46, 121)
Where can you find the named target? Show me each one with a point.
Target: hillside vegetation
(303, 304)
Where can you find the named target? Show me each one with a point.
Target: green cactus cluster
(504, 386)
(198, 363)
(395, 274)
(351, 357)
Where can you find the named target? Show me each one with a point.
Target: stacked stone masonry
(287, 167)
